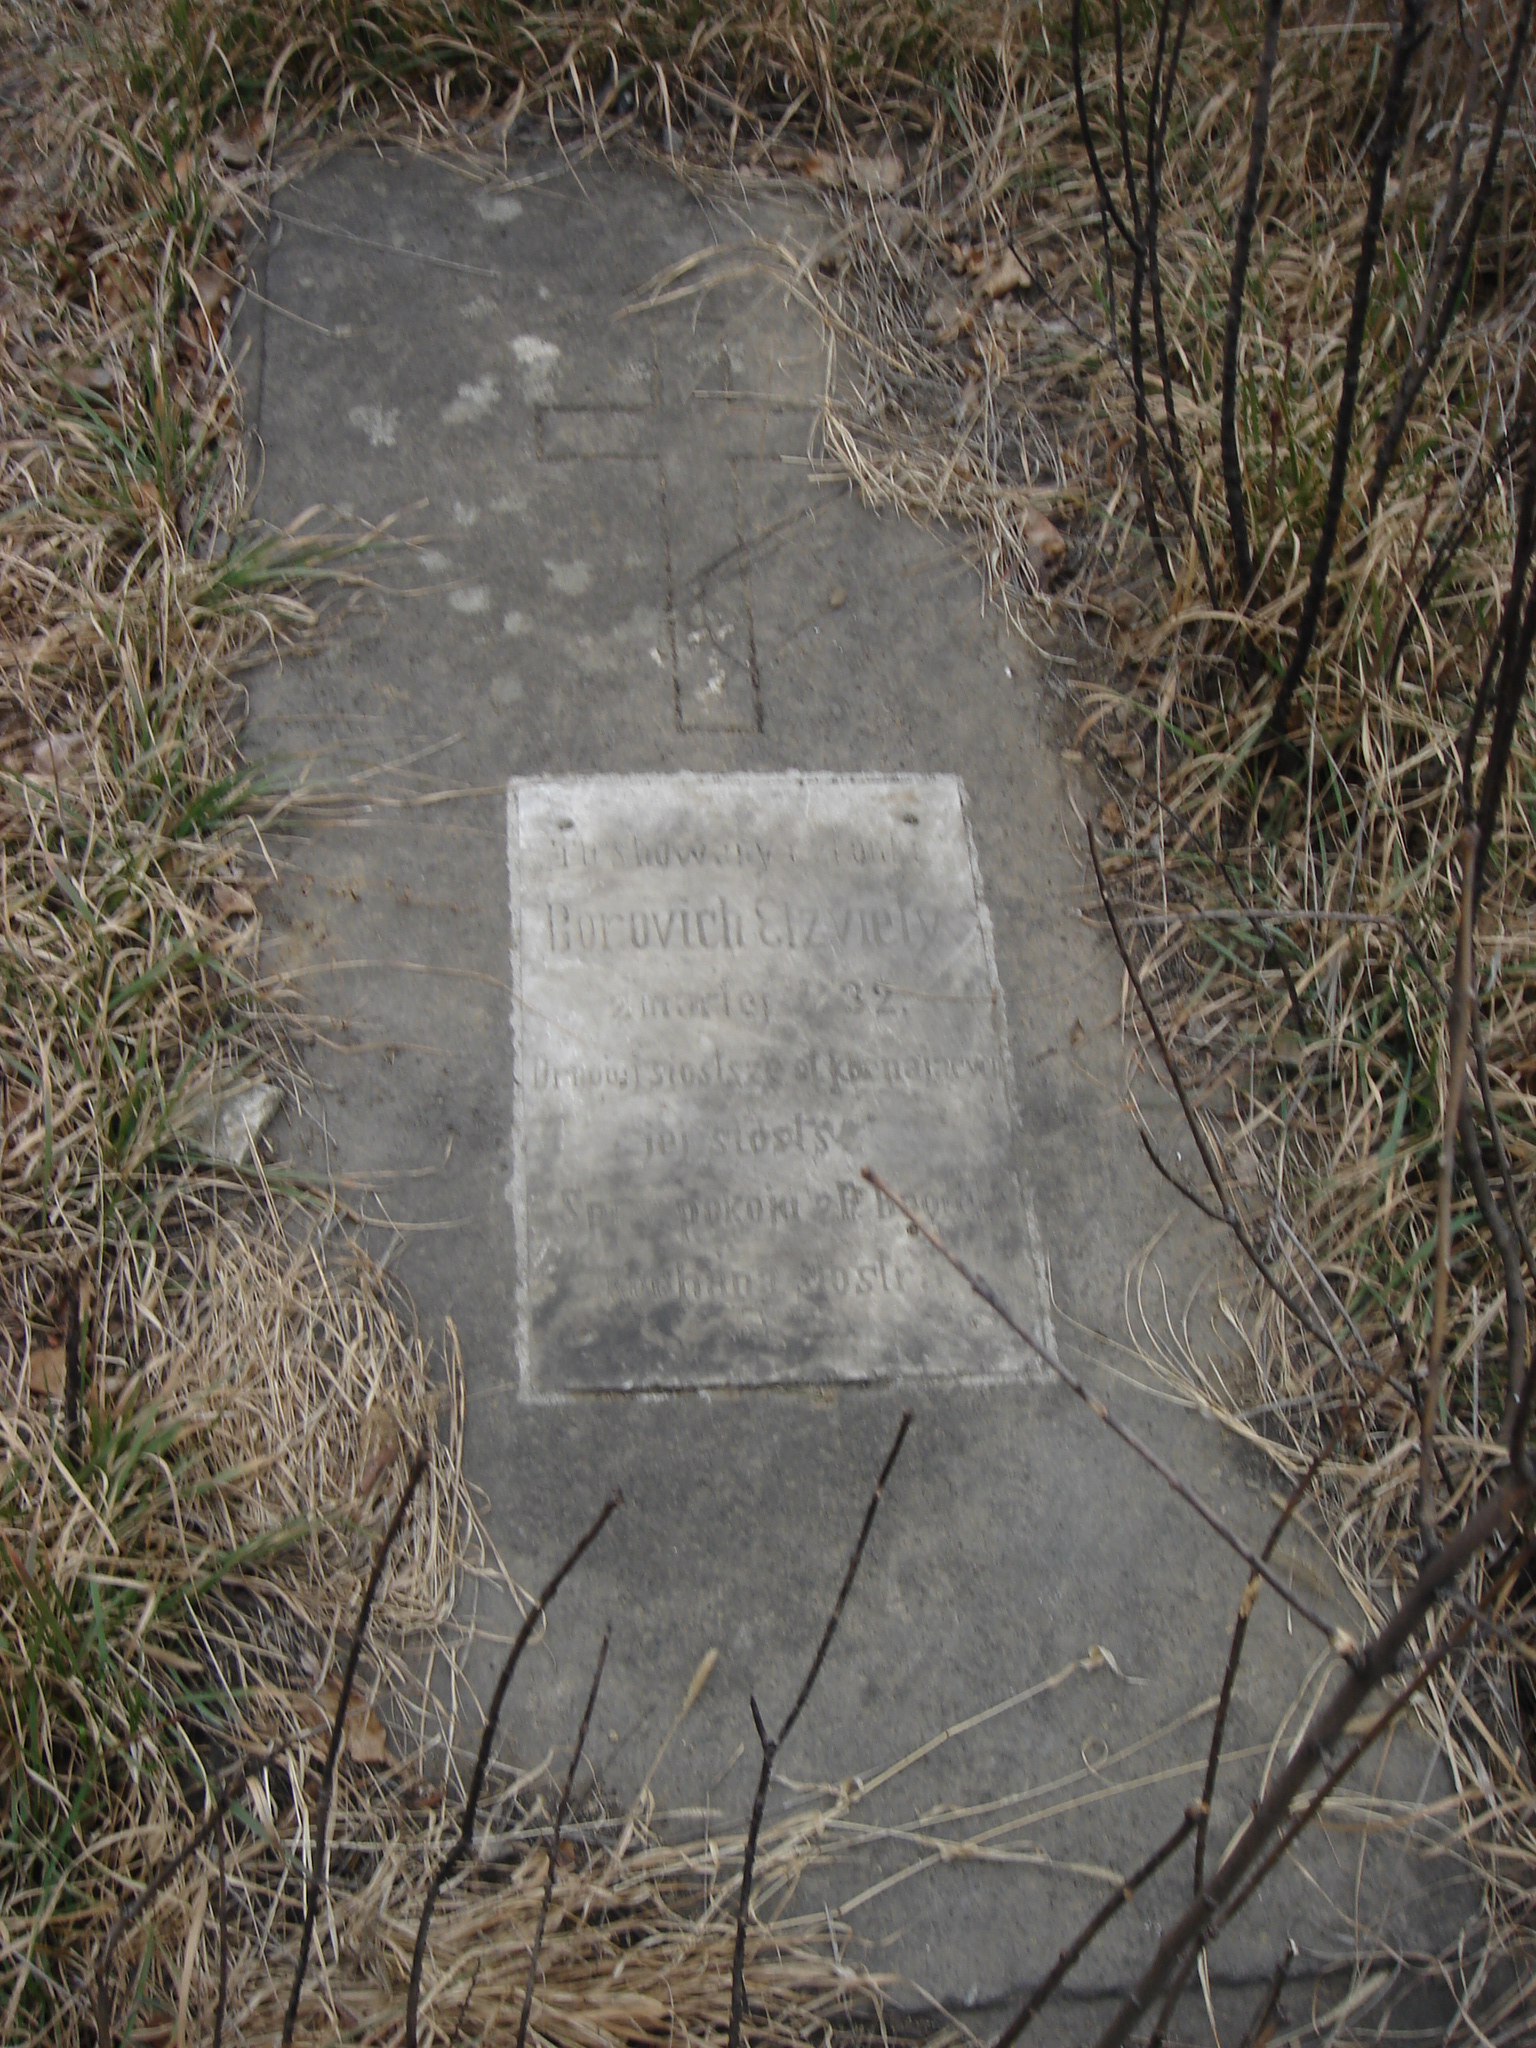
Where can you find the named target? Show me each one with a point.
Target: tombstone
(697, 838)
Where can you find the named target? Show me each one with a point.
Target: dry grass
(181, 1546)
(1296, 913)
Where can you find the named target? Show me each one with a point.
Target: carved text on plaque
(731, 992)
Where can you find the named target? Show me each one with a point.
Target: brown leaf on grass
(242, 145)
(45, 1369)
(946, 319)
(1006, 274)
(364, 1737)
(61, 754)
(875, 175)
(1042, 542)
(212, 287)
(230, 901)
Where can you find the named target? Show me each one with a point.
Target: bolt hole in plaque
(730, 993)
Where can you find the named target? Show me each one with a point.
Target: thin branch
(1488, 466)
(1426, 348)
(1302, 1310)
(1242, 242)
(1405, 43)
(133, 1911)
(1504, 648)
(223, 1999)
(1122, 1895)
(1159, 103)
(1195, 1201)
(1268, 1835)
(1257, 2030)
(1455, 1082)
(460, 1849)
(1245, 1609)
(312, 1883)
(1516, 1339)
(1106, 203)
(1496, 1133)
(1342, 1643)
(771, 1745)
(554, 1839)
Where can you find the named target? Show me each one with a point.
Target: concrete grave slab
(630, 602)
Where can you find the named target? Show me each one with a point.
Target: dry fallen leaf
(212, 288)
(1007, 274)
(364, 1737)
(875, 175)
(241, 147)
(1043, 544)
(45, 1369)
(946, 318)
(230, 901)
(58, 753)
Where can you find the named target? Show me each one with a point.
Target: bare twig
(554, 1839)
(1342, 1643)
(1242, 242)
(313, 1880)
(1405, 42)
(161, 1876)
(1294, 1303)
(1517, 1341)
(771, 1745)
(465, 1837)
(223, 1999)
(1255, 2034)
(1508, 660)
(1455, 1082)
(1122, 1895)
(1429, 338)
(1270, 1829)
(1159, 103)
(1245, 1609)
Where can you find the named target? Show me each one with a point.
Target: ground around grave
(691, 839)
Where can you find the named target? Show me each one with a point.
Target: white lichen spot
(515, 623)
(477, 308)
(569, 578)
(464, 515)
(536, 358)
(433, 560)
(544, 292)
(506, 690)
(380, 426)
(513, 501)
(498, 207)
(474, 597)
(473, 402)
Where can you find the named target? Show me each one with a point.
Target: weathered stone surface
(729, 993)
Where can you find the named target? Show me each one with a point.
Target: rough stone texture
(624, 565)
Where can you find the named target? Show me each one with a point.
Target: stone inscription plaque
(731, 992)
